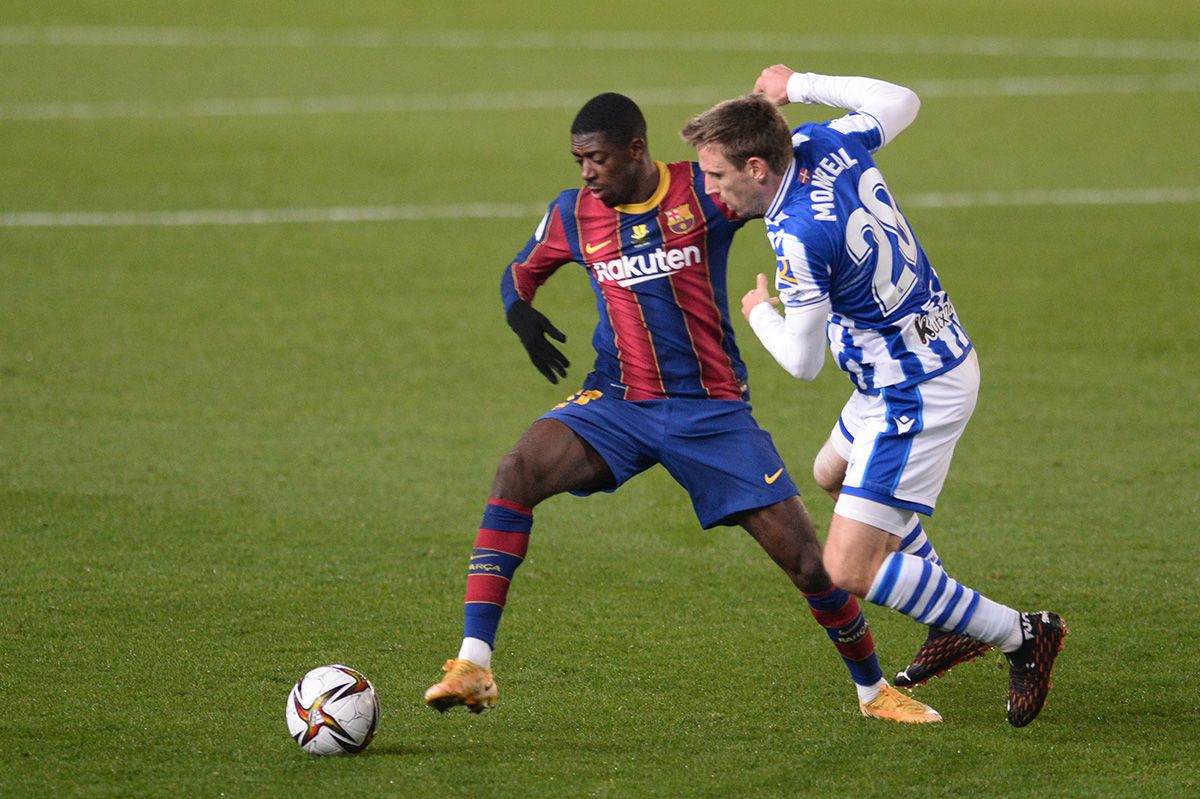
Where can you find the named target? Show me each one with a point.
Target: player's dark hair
(744, 127)
(612, 115)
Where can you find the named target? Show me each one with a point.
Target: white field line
(1057, 85)
(270, 216)
(381, 104)
(1169, 195)
(567, 99)
(657, 41)
(424, 213)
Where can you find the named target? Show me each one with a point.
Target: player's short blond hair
(744, 127)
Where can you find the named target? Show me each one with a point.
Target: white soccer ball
(333, 710)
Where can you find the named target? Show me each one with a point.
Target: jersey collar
(789, 175)
(664, 183)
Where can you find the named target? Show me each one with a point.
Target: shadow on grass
(397, 750)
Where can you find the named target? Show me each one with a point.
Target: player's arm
(545, 252)
(795, 340)
(894, 107)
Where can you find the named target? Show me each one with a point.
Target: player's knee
(828, 483)
(829, 469)
(845, 572)
(516, 478)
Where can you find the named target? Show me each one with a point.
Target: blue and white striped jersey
(838, 234)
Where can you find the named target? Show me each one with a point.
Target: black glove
(532, 327)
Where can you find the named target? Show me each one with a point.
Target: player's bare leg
(829, 469)
(548, 459)
(941, 650)
(785, 531)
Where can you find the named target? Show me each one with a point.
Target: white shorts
(898, 442)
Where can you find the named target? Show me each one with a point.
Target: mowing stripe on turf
(1048, 86)
(425, 213)
(440, 39)
(269, 216)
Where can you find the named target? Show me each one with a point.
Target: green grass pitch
(232, 452)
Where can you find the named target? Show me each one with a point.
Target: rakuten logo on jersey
(629, 270)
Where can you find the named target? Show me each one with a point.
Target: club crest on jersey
(680, 219)
(640, 235)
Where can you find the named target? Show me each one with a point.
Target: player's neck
(770, 188)
(647, 181)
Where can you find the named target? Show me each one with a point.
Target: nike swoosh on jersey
(591, 248)
(771, 478)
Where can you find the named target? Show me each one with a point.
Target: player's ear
(637, 148)
(757, 168)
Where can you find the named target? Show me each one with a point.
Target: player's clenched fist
(772, 83)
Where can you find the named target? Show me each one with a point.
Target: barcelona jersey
(658, 270)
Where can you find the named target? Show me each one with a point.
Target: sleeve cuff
(799, 87)
(758, 315)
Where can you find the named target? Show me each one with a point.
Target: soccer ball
(333, 710)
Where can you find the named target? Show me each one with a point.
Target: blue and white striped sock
(921, 590)
(915, 542)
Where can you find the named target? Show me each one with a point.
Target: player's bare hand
(772, 83)
(757, 296)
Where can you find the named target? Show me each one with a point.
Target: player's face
(737, 188)
(609, 172)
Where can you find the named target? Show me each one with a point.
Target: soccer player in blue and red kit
(851, 274)
(668, 387)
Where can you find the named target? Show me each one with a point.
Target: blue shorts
(713, 448)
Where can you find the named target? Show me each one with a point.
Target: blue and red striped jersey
(658, 272)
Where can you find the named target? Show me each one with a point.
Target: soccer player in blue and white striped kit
(850, 272)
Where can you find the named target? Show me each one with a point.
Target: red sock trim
(508, 503)
(487, 588)
(501, 541)
(837, 618)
